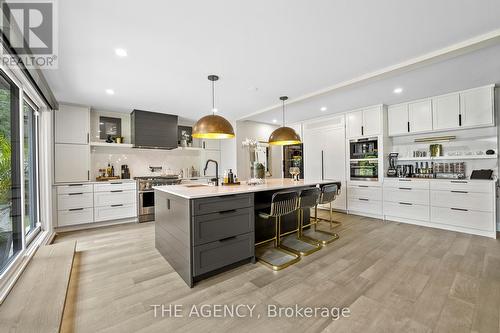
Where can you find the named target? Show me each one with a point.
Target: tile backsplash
(139, 160)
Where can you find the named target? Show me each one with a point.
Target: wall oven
(363, 148)
(364, 170)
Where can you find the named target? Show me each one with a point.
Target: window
(30, 165)
(11, 231)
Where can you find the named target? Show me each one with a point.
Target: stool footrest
(276, 258)
(299, 246)
(320, 236)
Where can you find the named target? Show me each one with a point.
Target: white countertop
(214, 191)
(98, 182)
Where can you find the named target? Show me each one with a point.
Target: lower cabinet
(89, 203)
(364, 199)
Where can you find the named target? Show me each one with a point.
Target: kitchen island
(203, 230)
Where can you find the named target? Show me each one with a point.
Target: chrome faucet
(216, 179)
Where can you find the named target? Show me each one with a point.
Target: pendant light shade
(213, 126)
(284, 135)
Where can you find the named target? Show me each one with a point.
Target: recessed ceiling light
(323, 108)
(275, 121)
(398, 90)
(121, 52)
(110, 91)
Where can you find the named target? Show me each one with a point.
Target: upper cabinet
(364, 122)
(72, 124)
(465, 109)
(476, 107)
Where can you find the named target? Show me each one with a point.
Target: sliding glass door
(30, 165)
(11, 230)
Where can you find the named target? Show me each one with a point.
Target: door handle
(118, 205)
(363, 199)
(322, 165)
(460, 209)
(116, 191)
(406, 203)
(362, 185)
(362, 130)
(75, 193)
(459, 120)
(75, 209)
(404, 188)
(464, 192)
(408, 124)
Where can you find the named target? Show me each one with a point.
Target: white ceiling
(263, 49)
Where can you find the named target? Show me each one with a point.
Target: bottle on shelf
(112, 171)
(230, 176)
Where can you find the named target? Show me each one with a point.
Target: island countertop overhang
(186, 192)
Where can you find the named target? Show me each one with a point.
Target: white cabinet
(420, 116)
(409, 118)
(364, 199)
(372, 121)
(72, 124)
(74, 204)
(465, 109)
(476, 107)
(364, 122)
(446, 112)
(325, 154)
(397, 119)
(406, 199)
(71, 163)
(211, 144)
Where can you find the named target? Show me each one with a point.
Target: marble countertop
(204, 191)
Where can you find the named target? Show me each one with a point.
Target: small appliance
(393, 160)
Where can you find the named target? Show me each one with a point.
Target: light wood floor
(394, 278)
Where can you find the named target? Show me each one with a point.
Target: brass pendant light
(213, 126)
(283, 135)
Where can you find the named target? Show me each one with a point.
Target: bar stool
(296, 243)
(282, 203)
(328, 195)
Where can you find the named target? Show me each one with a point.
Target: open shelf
(449, 158)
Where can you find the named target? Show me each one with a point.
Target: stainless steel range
(146, 194)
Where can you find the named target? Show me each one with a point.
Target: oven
(364, 170)
(363, 148)
(146, 194)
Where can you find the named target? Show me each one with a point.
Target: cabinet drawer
(406, 183)
(222, 203)
(114, 212)
(75, 200)
(463, 218)
(360, 191)
(114, 186)
(75, 188)
(211, 256)
(406, 194)
(216, 226)
(463, 199)
(365, 206)
(463, 185)
(74, 216)
(406, 210)
(115, 197)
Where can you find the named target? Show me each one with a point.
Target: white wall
(228, 158)
(259, 132)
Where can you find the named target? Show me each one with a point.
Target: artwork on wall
(184, 136)
(110, 128)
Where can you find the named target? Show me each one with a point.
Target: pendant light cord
(283, 113)
(213, 97)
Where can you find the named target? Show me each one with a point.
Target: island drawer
(214, 255)
(220, 225)
(221, 203)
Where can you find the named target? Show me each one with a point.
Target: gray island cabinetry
(200, 236)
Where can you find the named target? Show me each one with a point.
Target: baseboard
(95, 225)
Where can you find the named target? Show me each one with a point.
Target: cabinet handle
(75, 185)
(404, 180)
(405, 188)
(362, 199)
(116, 183)
(88, 174)
(80, 193)
(118, 205)
(460, 209)
(88, 137)
(75, 209)
(459, 120)
(203, 144)
(116, 191)
(362, 185)
(408, 124)
(362, 130)
(228, 211)
(464, 192)
(406, 203)
(226, 239)
(459, 181)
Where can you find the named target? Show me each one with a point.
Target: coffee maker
(393, 160)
